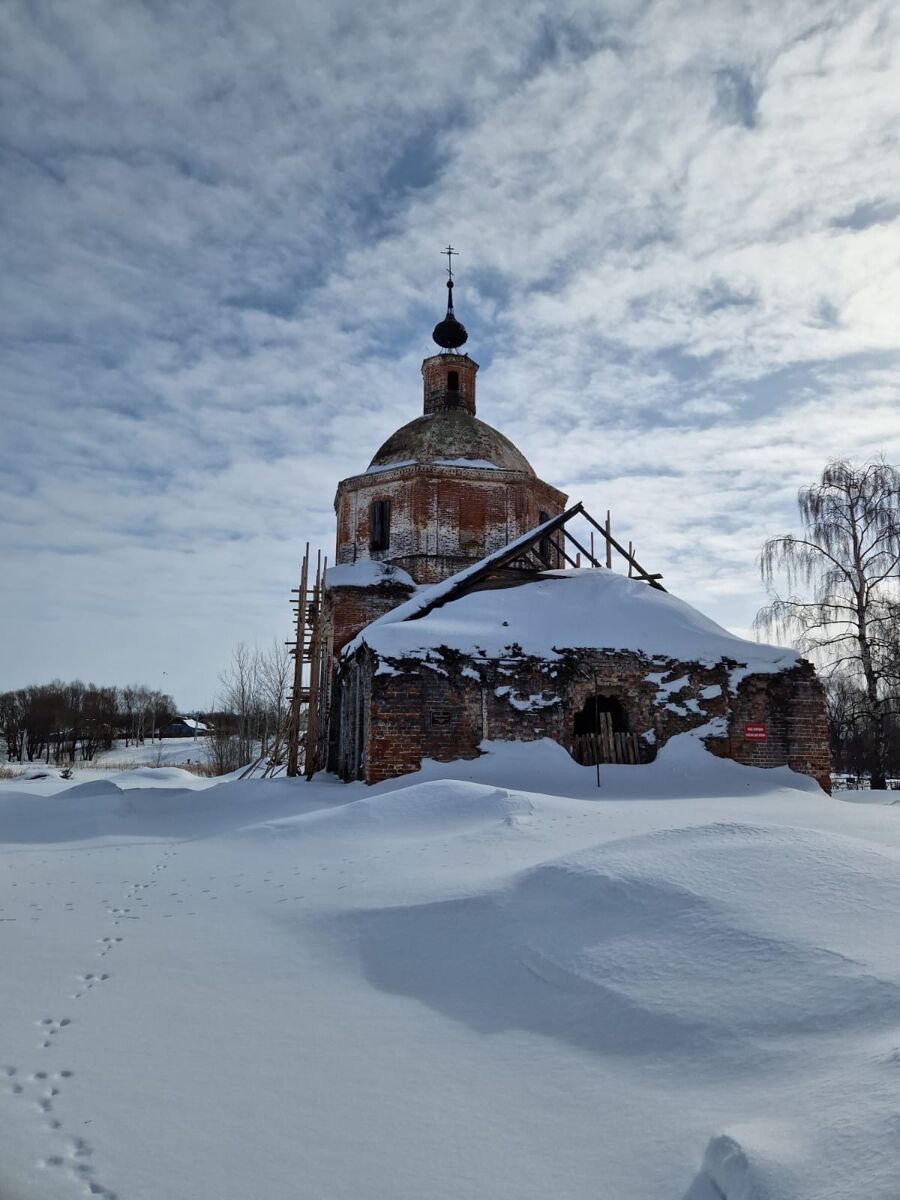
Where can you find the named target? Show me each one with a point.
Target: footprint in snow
(88, 981)
(51, 1027)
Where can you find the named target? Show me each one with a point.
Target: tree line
(62, 722)
(841, 605)
(67, 722)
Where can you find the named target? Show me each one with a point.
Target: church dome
(451, 437)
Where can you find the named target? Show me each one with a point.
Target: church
(462, 608)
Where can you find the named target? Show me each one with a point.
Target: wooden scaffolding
(307, 737)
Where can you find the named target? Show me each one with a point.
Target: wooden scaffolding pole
(315, 671)
(293, 762)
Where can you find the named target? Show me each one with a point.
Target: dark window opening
(544, 544)
(453, 381)
(596, 710)
(379, 525)
(602, 733)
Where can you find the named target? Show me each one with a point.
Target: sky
(678, 227)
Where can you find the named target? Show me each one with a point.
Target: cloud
(679, 269)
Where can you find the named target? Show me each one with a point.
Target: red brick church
(462, 608)
(443, 492)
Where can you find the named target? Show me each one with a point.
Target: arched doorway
(602, 733)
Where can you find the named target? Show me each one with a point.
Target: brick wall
(350, 609)
(442, 518)
(443, 708)
(435, 374)
(791, 706)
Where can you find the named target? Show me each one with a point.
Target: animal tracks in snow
(40, 1090)
(50, 1027)
(88, 982)
(72, 1154)
(109, 944)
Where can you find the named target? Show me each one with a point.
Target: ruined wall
(444, 706)
(442, 518)
(792, 707)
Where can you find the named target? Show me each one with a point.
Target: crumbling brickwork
(442, 707)
(791, 705)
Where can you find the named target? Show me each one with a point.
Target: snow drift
(453, 987)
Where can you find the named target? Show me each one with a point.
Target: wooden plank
(562, 554)
(606, 737)
(575, 542)
(651, 579)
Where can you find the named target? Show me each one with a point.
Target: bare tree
(848, 560)
(276, 670)
(237, 730)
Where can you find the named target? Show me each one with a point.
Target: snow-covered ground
(166, 752)
(489, 980)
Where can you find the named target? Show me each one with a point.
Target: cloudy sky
(679, 235)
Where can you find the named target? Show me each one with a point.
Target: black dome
(450, 334)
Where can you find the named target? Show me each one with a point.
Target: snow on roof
(366, 572)
(566, 610)
(481, 463)
(191, 723)
(392, 466)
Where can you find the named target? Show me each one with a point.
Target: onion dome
(450, 334)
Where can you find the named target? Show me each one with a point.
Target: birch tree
(843, 575)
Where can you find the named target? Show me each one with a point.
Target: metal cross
(450, 252)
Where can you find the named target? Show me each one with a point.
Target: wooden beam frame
(653, 579)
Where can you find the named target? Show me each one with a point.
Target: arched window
(453, 381)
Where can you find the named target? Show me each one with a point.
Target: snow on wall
(366, 572)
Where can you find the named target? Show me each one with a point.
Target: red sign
(755, 733)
